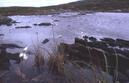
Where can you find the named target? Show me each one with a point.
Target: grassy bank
(117, 5)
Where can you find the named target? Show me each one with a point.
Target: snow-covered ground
(67, 26)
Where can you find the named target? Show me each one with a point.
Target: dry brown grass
(39, 59)
(56, 63)
(1, 81)
(19, 73)
(61, 68)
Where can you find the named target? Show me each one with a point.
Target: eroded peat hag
(43, 24)
(23, 27)
(5, 56)
(6, 21)
(107, 54)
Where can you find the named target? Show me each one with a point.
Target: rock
(6, 21)
(35, 24)
(23, 27)
(1, 34)
(92, 39)
(45, 41)
(85, 37)
(43, 24)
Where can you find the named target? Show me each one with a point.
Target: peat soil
(102, 53)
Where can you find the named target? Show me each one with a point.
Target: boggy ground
(57, 69)
(110, 55)
(88, 60)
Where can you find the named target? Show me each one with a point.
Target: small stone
(92, 39)
(23, 27)
(45, 41)
(1, 34)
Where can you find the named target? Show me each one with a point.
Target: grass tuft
(56, 63)
(39, 60)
